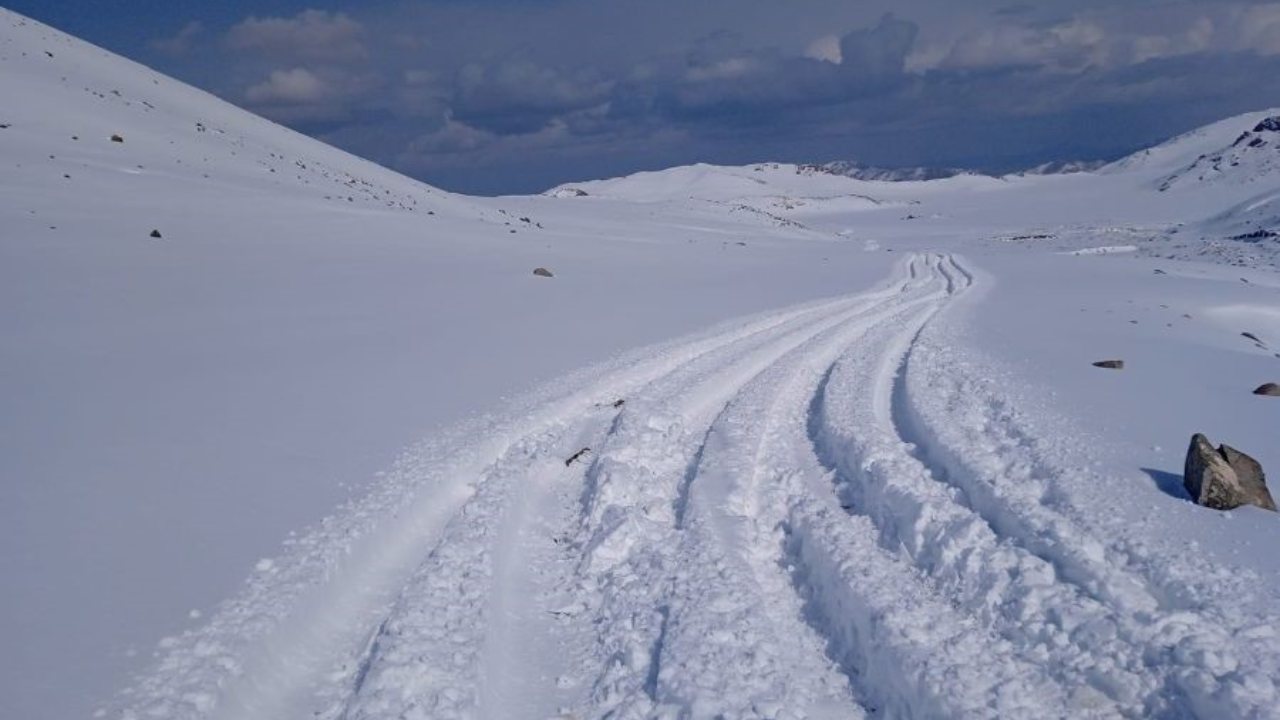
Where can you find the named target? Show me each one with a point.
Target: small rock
(1110, 364)
(1225, 478)
(576, 456)
(1268, 389)
(1252, 337)
(155, 234)
(542, 272)
(117, 138)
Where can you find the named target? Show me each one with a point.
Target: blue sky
(497, 96)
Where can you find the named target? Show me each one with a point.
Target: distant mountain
(850, 169)
(1064, 167)
(847, 168)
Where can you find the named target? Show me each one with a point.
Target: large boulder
(1224, 478)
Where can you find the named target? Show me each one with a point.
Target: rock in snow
(1225, 478)
(1110, 364)
(542, 272)
(1268, 389)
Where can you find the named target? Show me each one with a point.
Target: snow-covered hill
(1252, 158)
(874, 474)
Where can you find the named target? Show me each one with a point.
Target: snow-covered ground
(874, 474)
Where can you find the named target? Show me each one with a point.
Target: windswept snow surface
(874, 475)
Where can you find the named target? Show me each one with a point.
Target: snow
(772, 442)
(174, 407)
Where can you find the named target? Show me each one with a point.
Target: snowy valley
(286, 434)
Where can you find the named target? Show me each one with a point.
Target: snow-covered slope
(68, 100)
(893, 486)
(174, 407)
(1252, 158)
(1184, 150)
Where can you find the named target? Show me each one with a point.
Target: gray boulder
(1224, 478)
(542, 272)
(1268, 389)
(1110, 364)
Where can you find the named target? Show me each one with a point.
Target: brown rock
(1225, 478)
(1269, 389)
(1110, 364)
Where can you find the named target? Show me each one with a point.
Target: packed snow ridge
(762, 441)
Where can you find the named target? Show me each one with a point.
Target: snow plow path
(770, 520)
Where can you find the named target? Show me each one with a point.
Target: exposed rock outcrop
(1271, 124)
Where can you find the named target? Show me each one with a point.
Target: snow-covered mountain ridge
(1179, 203)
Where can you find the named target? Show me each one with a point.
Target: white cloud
(1069, 46)
(1112, 38)
(1259, 29)
(309, 35)
(291, 87)
(826, 48)
(727, 69)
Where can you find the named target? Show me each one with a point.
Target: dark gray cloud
(499, 96)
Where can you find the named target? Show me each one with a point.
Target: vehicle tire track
(306, 622)
(683, 394)
(1050, 589)
(755, 510)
